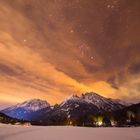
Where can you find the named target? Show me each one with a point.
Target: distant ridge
(88, 103)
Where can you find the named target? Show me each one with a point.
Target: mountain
(32, 105)
(6, 119)
(122, 102)
(28, 110)
(74, 106)
(128, 115)
(102, 103)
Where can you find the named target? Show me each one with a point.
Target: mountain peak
(92, 97)
(33, 104)
(72, 97)
(92, 94)
(34, 100)
(101, 102)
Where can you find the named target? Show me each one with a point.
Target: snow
(31, 105)
(76, 106)
(74, 98)
(9, 132)
(34, 104)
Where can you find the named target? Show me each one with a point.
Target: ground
(9, 132)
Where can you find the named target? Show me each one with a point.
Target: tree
(106, 121)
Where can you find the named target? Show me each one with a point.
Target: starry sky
(50, 49)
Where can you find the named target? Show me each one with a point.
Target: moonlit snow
(9, 132)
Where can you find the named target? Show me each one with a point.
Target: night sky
(50, 49)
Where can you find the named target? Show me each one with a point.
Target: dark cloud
(112, 81)
(5, 69)
(135, 68)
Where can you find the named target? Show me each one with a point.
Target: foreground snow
(8, 132)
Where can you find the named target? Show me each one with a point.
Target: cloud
(30, 72)
(52, 49)
(135, 68)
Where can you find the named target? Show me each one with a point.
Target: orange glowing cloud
(52, 49)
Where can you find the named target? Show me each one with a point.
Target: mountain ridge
(88, 103)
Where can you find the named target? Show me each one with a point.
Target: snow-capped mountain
(75, 106)
(101, 102)
(34, 104)
(27, 110)
(88, 103)
(31, 105)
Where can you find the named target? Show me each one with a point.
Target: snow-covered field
(8, 132)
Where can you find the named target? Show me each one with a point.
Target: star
(91, 57)
(71, 31)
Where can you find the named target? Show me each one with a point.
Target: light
(98, 120)
(70, 122)
(113, 123)
(100, 123)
